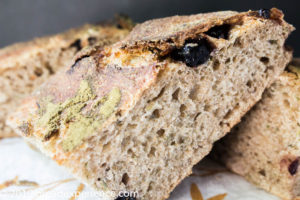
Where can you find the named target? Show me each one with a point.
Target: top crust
(10, 55)
(164, 34)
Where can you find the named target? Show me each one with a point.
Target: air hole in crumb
(286, 103)
(155, 114)
(227, 61)
(161, 132)
(264, 60)
(49, 68)
(234, 59)
(182, 109)
(132, 126)
(249, 83)
(216, 65)
(103, 165)
(285, 94)
(175, 94)
(130, 152)
(106, 147)
(207, 107)
(20, 76)
(238, 42)
(181, 140)
(125, 178)
(221, 31)
(196, 116)
(222, 124)
(273, 42)
(38, 71)
(159, 94)
(76, 44)
(150, 186)
(172, 143)
(271, 68)
(242, 61)
(152, 152)
(228, 114)
(262, 172)
(98, 179)
(194, 93)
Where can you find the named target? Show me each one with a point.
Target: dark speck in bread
(265, 13)
(77, 44)
(293, 167)
(92, 40)
(193, 53)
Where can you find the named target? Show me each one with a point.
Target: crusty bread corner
(137, 115)
(265, 146)
(25, 66)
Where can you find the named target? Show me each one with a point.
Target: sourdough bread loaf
(137, 115)
(24, 66)
(265, 146)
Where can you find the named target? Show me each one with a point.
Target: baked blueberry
(193, 53)
(265, 13)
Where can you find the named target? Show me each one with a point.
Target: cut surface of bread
(137, 115)
(25, 66)
(265, 146)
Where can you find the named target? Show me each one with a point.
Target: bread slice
(265, 146)
(24, 66)
(137, 115)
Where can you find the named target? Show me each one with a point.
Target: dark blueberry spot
(76, 44)
(219, 31)
(293, 167)
(92, 40)
(193, 53)
(265, 13)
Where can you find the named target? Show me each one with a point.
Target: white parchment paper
(27, 174)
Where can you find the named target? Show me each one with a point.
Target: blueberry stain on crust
(193, 53)
(221, 31)
(265, 13)
(293, 167)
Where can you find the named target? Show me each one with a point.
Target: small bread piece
(265, 146)
(137, 115)
(24, 66)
